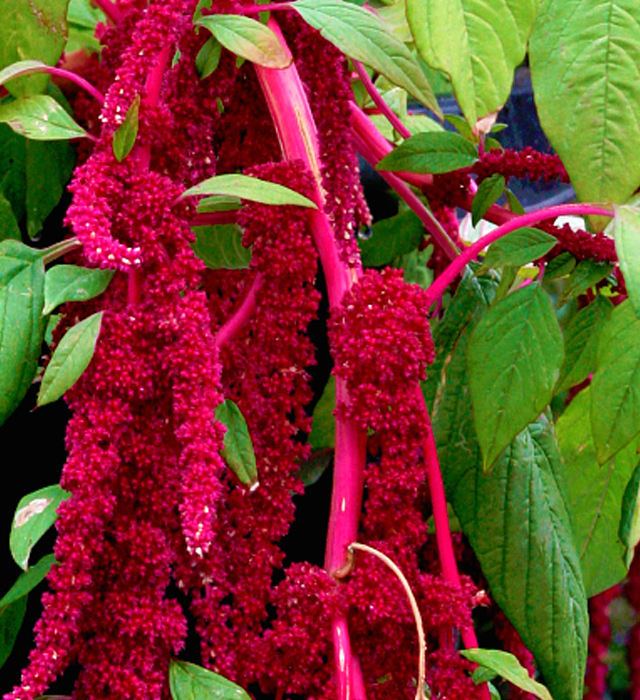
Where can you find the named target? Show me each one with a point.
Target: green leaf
(36, 29)
(390, 238)
(63, 283)
(430, 152)
(21, 324)
(615, 387)
(250, 189)
(363, 37)
(517, 523)
(460, 125)
(488, 194)
(585, 63)
(629, 530)
(594, 497)
(514, 357)
(20, 68)
(41, 118)
(560, 266)
(518, 248)
(311, 470)
(220, 247)
(581, 343)
(83, 18)
(585, 275)
(506, 665)
(8, 225)
(218, 203)
(35, 514)
(323, 425)
(238, 449)
(70, 359)
(477, 43)
(626, 230)
(208, 57)
(514, 203)
(125, 136)
(414, 267)
(190, 682)
(28, 580)
(248, 39)
(11, 619)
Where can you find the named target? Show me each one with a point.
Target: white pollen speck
(111, 256)
(126, 261)
(199, 551)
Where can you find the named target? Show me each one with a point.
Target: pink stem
(349, 676)
(66, 75)
(242, 314)
(112, 12)
(295, 126)
(436, 290)
(379, 101)
(273, 7)
(432, 225)
(215, 218)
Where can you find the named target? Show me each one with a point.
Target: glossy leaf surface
(518, 248)
(615, 387)
(585, 64)
(70, 359)
(63, 283)
(190, 682)
(248, 39)
(594, 496)
(477, 43)
(238, 450)
(488, 193)
(249, 188)
(360, 35)
(514, 358)
(35, 514)
(21, 323)
(430, 152)
(41, 118)
(220, 247)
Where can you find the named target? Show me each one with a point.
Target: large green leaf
(585, 67)
(478, 43)
(581, 343)
(63, 283)
(32, 29)
(391, 238)
(35, 514)
(507, 665)
(626, 230)
(190, 682)
(594, 497)
(247, 38)
(70, 359)
(514, 359)
(21, 323)
(238, 450)
(518, 248)
(615, 387)
(220, 247)
(82, 19)
(430, 152)
(362, 36)
(517, 523)
(8, 225)
(251, 189)
(41, 118)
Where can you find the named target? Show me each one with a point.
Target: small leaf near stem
(414, 608)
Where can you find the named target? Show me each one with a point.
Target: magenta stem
(65, 74)
(436, 290)
(379, 102)
(112, 12)
(292, 117)
(215, 218)
(273, 7)
(241, 315)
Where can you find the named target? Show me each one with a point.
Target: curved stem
(436, 290)
(241, 315)
(65, 75)
(378, 100)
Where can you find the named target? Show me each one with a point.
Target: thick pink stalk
(295, 126)
(379, 102)
(241, 315)
(436, 290)
(432, 225)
